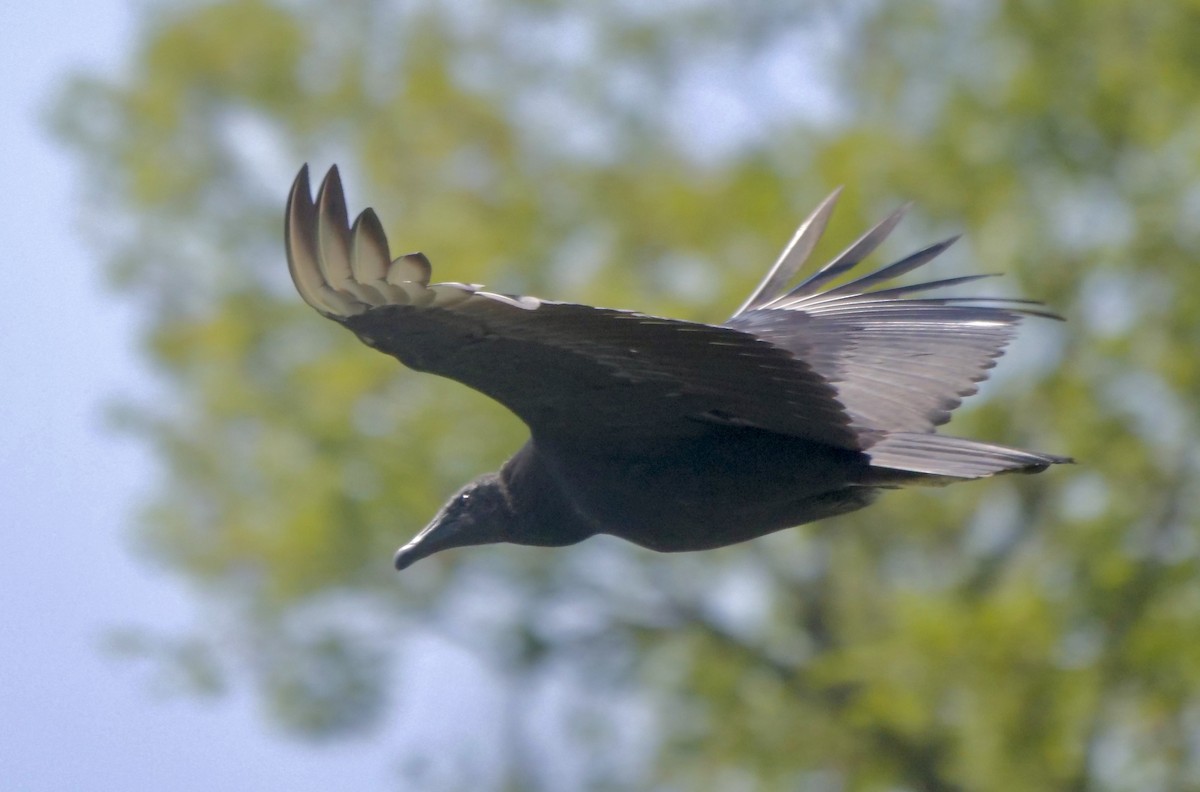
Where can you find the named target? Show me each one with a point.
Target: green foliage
(1030, 634)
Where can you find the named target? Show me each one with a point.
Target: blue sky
(70, 716)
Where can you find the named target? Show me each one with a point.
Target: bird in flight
(677, 435)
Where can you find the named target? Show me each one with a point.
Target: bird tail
(942, 457)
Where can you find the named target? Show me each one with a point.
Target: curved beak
(409, 554)
(426, 543)
(443, 533)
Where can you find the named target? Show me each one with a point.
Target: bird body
(676, 435)
(727, 485)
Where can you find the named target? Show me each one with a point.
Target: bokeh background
(203, 482)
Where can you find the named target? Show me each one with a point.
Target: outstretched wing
(572, 372)
(899, 363)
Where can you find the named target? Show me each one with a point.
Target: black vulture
(677, 435)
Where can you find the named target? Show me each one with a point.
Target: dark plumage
(671, 434)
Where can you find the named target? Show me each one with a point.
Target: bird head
(479, 513)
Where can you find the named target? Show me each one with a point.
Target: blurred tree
(1028, 634)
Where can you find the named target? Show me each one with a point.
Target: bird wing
(898, 363)
(573, 372)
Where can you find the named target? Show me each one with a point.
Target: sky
(73, 717)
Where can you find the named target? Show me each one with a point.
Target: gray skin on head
(477, 514)
(518, 504)
(678, 435)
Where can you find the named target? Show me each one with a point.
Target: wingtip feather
(369, 256)
(794, 254)
(303, 256)
(410, 268)
(849, 258)
(333, 231)
(344, 270)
